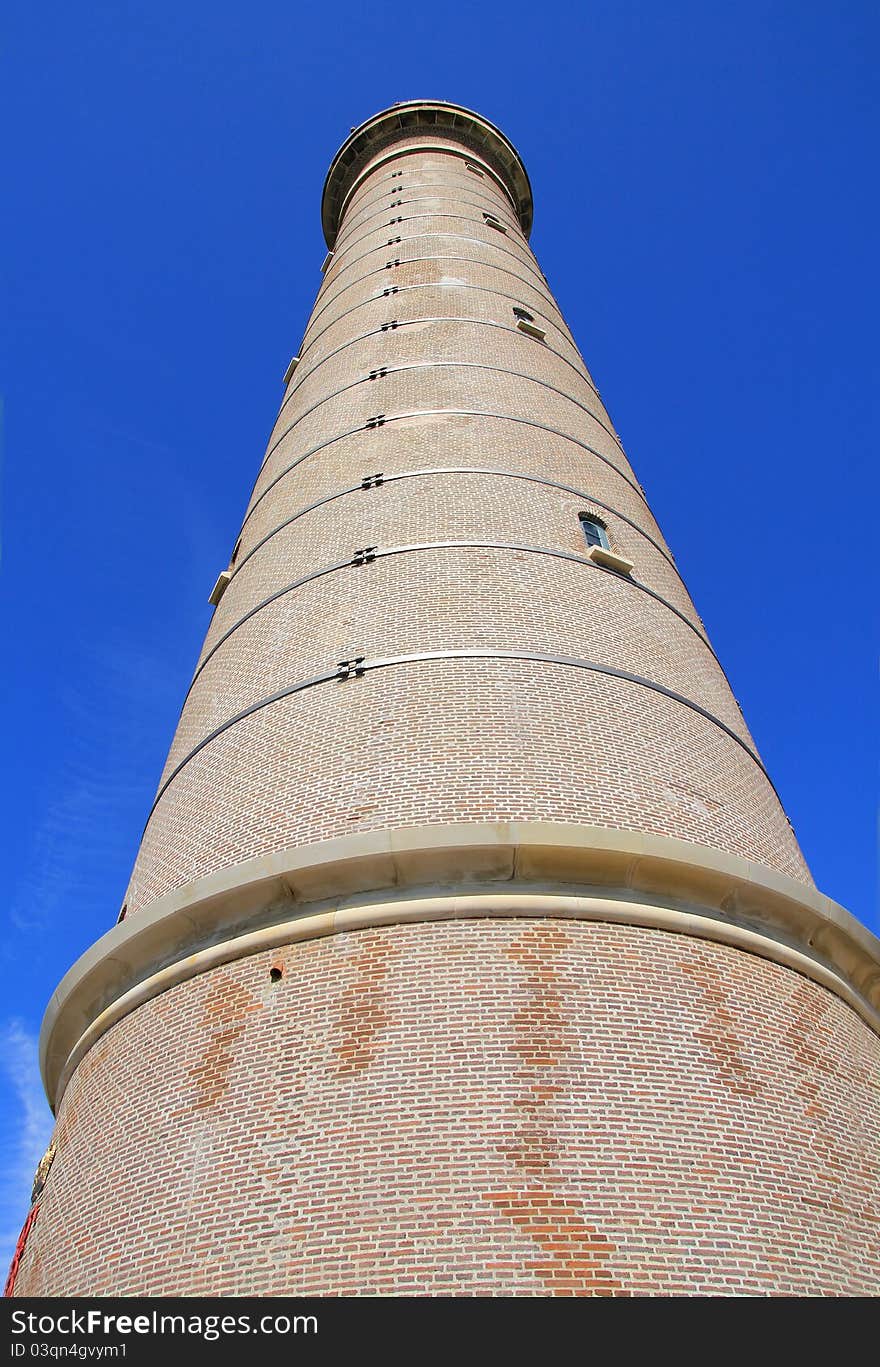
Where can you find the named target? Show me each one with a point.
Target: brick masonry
(462, 388)
(528, 1107)
(472, 1108)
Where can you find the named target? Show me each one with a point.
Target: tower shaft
(468, 949)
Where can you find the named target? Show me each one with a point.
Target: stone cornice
(423, 118)
(528, 869)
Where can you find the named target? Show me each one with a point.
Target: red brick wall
(486, 1107)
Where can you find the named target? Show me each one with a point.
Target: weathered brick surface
(493, 1107)
(445, 507)
(444, 439)
(427, 300)
(442, 742)
(426, 343)
(433, 599)
(472, 1108)
(423, 743)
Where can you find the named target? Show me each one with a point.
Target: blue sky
(706, 206)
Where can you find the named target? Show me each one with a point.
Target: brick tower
(468, 949)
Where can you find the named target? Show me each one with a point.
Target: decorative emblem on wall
(42, 1172)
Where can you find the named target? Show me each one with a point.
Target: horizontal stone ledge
(526, 869)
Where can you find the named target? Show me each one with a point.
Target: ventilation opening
(123, 913)
(276, 973)
(236, 551)
(524, 314)
(492, 222)
(469, 166)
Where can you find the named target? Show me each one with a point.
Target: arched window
(594, 530)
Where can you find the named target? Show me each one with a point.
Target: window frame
(600, 528)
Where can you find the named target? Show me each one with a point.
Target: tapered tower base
(518, 1059)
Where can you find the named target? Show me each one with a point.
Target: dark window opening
(236, 551)
(594, 531)
(524, 315)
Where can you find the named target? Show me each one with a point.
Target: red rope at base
(19, 1249)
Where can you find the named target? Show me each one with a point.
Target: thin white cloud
(79, 834)
(76, 837)
(26, 1129)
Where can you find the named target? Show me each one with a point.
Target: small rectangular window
(594, 531)
(469, 166)
(288, 374)
(524, 314)
(530, 330)
(326, 262)
(492, 222)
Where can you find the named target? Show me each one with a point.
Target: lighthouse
(468, 949)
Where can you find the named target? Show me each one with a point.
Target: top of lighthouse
(421, 119)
